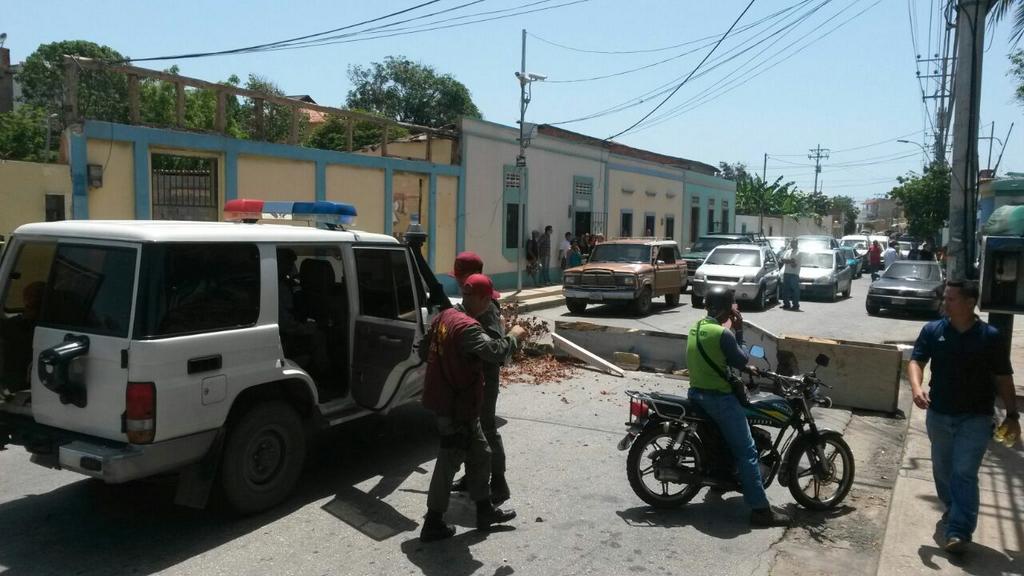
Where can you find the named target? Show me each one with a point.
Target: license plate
(899, 300)
(597, 296)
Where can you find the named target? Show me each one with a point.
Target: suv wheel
(642, 305)
(672, 299)
(576, 305)
(835, 289)
(263, 457)
(696, 301)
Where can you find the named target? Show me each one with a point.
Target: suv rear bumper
(115, 465)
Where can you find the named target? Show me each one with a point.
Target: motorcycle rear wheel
(824, 487)
(641, 461)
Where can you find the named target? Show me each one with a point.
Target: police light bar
(320, 213)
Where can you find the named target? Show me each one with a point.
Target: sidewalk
(913, 538)
(530, 299)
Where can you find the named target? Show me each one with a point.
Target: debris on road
(582, 354)
(626, 360)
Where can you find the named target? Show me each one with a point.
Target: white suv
(134, 348)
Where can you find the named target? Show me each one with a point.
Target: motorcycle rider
(711, 349)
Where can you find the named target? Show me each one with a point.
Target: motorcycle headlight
(571, 279)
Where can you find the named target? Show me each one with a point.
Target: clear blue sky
(853, 87)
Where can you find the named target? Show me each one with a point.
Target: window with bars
(514, 204)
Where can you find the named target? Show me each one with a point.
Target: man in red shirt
(456, 349)
(874, 259)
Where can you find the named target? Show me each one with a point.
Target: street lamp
(924, 150)
(526, 81)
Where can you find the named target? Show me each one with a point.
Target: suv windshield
(734, 257)
(911, 271)
(816, 259)
(709, 244)
(624, 253)
(854, 243)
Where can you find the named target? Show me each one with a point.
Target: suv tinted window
(385, 287)
(31, 267)
(90, 290)
(190, 288)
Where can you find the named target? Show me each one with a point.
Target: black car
(912, 285)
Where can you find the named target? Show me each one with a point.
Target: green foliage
(1017, 71)
(756, 196)
(23, 134)
(925, 200)
(101, 95)
(277, 119)
(736, 172)
(333, 134)
(407, 91)
(845, 208)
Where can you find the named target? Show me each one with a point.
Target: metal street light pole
(924, 150)
(524, 100)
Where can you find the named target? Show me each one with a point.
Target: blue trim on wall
(389, 200)
(432, 219)
(321, 180)
(460, 202)
(230, 175)
(79, 176)
(211, 142)
(140, 159)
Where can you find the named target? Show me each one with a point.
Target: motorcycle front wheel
(650, 451)
(820, 477)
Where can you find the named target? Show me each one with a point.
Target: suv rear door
(387, 323)
(88, 297)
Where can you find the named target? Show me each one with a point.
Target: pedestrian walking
(467, 264)
(533, 257)
(564, 248)
(874, 259)
(890, 255)
(791, 277)
(455, 349)
(970, 365)
(544, 248)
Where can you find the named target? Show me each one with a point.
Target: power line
(685, 80)
(298, 38)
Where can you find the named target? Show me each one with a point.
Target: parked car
(855, 263)
(628, 271)
(700, 249)
(825, 273)
(778, 244)
(914, 285)
(138, 348)
(811, 242)
(751, 271)
(859, 243)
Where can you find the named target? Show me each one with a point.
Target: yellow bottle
(1005, 437)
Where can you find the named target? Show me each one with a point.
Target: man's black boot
(460, 485)
(487, 515)
(499, 489)
(434, 528)
(770, 516)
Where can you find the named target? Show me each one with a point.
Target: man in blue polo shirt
(970, 363)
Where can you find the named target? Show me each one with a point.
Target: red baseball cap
(480, 285)
(467, 263)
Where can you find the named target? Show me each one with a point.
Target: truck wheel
(672, 299)
(576, 305)
(263, 457)
(642, 305)
(696, 301)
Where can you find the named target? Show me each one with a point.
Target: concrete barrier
(659, 351)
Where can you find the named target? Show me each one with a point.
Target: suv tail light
(140, 412)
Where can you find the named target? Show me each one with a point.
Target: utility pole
(760, 201)
(817, 154)
(970, 32)
(525, 81)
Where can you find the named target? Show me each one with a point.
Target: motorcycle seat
(672, 405)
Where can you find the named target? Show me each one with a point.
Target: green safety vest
(702, 374)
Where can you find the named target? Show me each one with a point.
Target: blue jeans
(958, 445)
(791, 290)
(731, 419)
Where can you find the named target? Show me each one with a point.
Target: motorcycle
(675, 449)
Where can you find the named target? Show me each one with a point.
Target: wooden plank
(582, 354)
(133, 99)
(179, 104)
(220, 121)
(72, 114)
(351, 127)
(293, 128)
(430, 142)
(384, 142)
(261, 130)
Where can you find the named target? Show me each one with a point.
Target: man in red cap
(467, 264)
(456, 349)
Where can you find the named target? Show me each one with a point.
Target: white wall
(785, 225)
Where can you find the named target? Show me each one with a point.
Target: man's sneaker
(955, 545)
(434, 528)
(770, 516)
(786, 306)
(499, 489)
(488, 515)
(460, 485)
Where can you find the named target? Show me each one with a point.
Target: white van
(133, 348)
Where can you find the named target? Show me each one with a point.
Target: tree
(925, 200)
(101, 95)
(736, 172)
(408, 91)
(1017, 70)
(23, 134)
(845, 208)
(333, 134)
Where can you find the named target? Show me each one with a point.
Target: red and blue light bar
(321, 212)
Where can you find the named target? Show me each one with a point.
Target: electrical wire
(690, 75)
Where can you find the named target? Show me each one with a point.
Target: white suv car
(134, 348)
(749, 270)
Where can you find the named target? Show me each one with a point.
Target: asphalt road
(362, 497)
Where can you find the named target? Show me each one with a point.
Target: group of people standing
(572, 251)
(879, 260)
